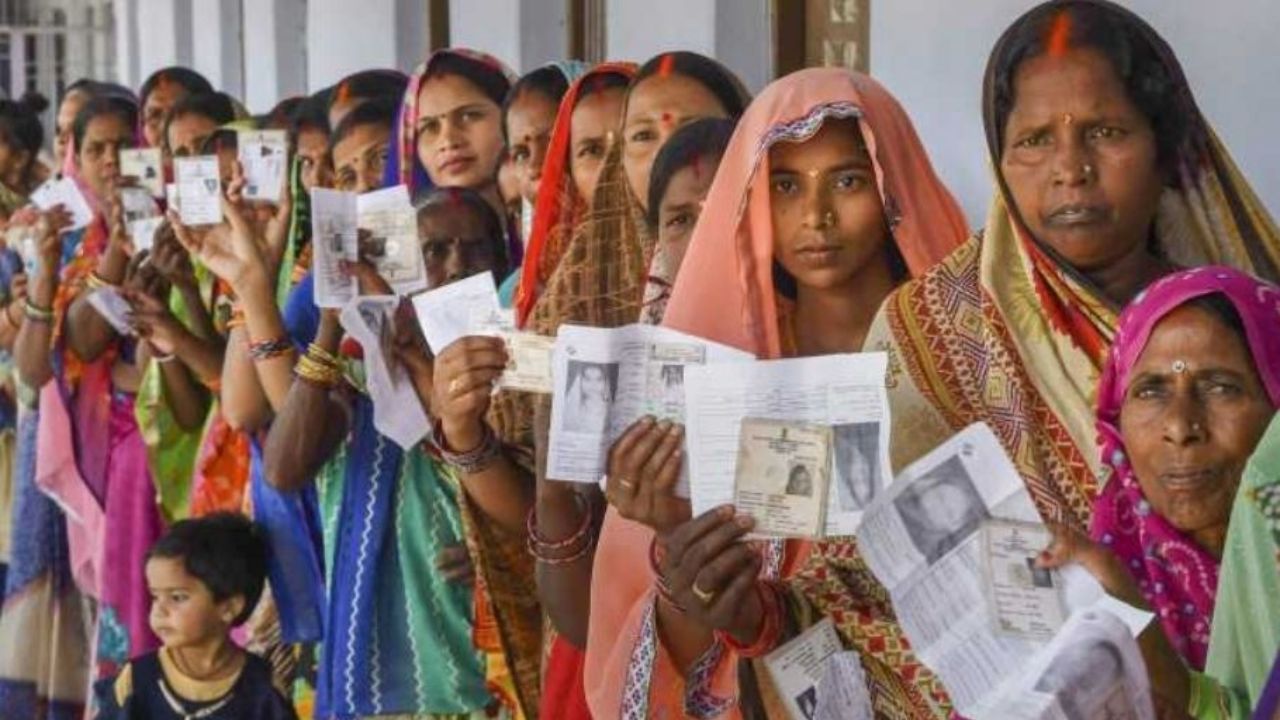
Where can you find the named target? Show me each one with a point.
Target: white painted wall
(931, 54)
(524, 34)
(638, 30)
(164, 32)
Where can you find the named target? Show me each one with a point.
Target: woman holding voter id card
(824, 202)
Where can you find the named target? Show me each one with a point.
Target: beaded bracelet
(660, 580)
(770, 628)
(268, 349)
(36, 313)
(473, 461)
(316, 372)
(577, 545)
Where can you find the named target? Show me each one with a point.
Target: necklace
(213, 674)
(176, 705)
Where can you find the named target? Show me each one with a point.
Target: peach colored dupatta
(725, 292)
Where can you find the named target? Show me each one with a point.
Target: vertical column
(163, 35)
(639, 30)
(128, 54)
(522, 33)
(274, 51)
(216, 51)
(344, 37)
(744, 40)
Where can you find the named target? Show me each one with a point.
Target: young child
(205, 577)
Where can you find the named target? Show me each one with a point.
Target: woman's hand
(49, 229)
(153, 321)
(644, 467)
(118, 239)
(1070, 546)
(463, 387)
(712, 573)
(171, 260)
(408, 344)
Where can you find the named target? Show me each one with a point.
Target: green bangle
(37, 313)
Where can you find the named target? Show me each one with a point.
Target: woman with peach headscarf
(824, 202)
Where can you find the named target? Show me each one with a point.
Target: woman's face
(682, 205)
(99, 153)
(360, 158)
(63, 129)
(159, 102)
(657, 107)
(1192, 414)
(594, 386)
(828, 219)
(312, 145)
(1079, 159)
(945, 507)
(594, 118)
(459, 133)
(530, 118)
(187, 134)
(455, 244)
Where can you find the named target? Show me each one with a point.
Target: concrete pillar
(216, 48)
(164, 35)
(522, 33)
(736, 32)
(275, 45)
(128, 52)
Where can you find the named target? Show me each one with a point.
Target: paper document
(397, 408)
(782, 476)
(931, 541)
(446, 313)
(145, 166)
(798, 667)
(264, 158)
(528, 354)
(843, 392)
(389, 238)
(607, 379)
(113, 308)
(199, 189)
(333, 242)
(66, 193)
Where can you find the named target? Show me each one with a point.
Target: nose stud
(1179, 366)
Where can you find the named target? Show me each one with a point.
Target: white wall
(524, 34)
(164, 33)
(638, 30)
(216, 49)
(931, 55)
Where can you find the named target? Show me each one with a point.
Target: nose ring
(829, 218)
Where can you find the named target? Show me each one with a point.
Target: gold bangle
(309, 369)
(96, 282)
(323, 356)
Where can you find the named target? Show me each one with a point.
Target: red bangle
(576, 546)
(770, 626)
(660, 580)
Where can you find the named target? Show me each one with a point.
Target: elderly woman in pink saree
(91, 458)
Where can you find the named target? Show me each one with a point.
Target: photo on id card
(528, 354)
(1025, 600)
(664, 381)
(144, 164)
(782, 476)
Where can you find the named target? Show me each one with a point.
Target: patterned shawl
(1175, 574)
(1002, 332)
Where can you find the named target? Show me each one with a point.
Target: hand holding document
(397, 409)
(607, 379)
(389, 238)
(66, 193)
(199, 190)
(141, 216)
(954, 541)
(113, 308)
(144, 165)
(264, 158)
(528, 354)
(446, 313)
(844, 393)
(334, 242)
(782, 476)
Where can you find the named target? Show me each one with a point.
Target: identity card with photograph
(199, 190)
(264, 158)
(782, 476)
(528, 354)
(389, 238)
(144, 165)
(1026, 600)
(797, 668)
(334, 241)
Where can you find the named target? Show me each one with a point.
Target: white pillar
(164, 34)
(275, 46)
(735, 32)
(128, 54)
(216, 50)
(344, 37)
(522, 33)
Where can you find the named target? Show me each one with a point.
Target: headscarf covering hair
(1177, 576)
(1040, 330)
(725, 292)
(558, 206)
(736, 225)
(486, 72)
